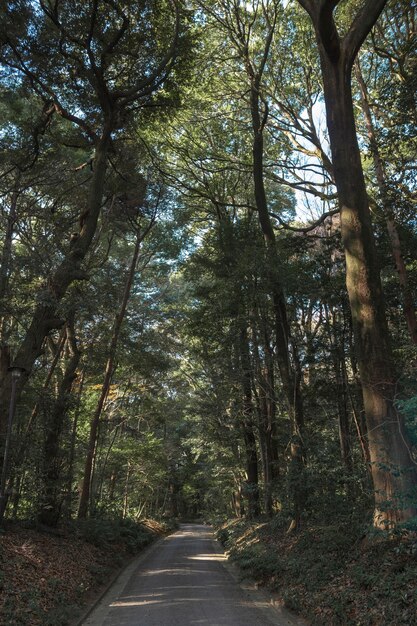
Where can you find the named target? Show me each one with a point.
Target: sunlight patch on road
(170, 572)
(134, 602)
(207, 557)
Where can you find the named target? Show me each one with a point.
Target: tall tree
(393, 469)
(90, 63)
(248, 57)
(109, 371)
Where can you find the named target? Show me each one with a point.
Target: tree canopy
(208, 260)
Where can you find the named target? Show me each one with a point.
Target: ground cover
(48, 577)
(332, 575)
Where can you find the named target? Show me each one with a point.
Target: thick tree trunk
(392, 467)
(109, 371)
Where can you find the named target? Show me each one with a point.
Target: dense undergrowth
(48, 577)
(333, 575)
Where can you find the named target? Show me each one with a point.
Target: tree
(91, 75)
(110, 368)
(393, 470)
(52, 477)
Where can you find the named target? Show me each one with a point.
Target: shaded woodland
(209, 260)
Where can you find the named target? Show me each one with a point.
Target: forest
(209, 264)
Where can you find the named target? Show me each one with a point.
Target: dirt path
(181, 581)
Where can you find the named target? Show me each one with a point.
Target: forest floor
(331, 575)
(48, 578)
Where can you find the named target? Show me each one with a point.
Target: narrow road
(181, 581)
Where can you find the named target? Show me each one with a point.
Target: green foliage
(102, 532)
(330, 573)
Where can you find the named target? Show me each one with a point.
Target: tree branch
(308, 6)
(267, 45)
(327, 30)
(361, 27)
(46, 93)
(306, 229)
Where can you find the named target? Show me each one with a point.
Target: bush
(101, 532)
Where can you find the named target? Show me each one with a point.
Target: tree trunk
(290, 378)
(18, 468)
(51, 493)
(252, 483)
(71, 457)
(336, 337)
(126, 493)
(344, 423)
(6, 260)
(266, 405)
(109, 371)
(393, 469)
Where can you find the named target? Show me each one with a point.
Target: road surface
(182, 581)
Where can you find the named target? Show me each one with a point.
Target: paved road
(181, 581)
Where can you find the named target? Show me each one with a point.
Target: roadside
(330, 575)
(49, 577)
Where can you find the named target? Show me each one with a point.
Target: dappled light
(192, 588)
(208, 557)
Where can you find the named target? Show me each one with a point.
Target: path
(181, 581)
